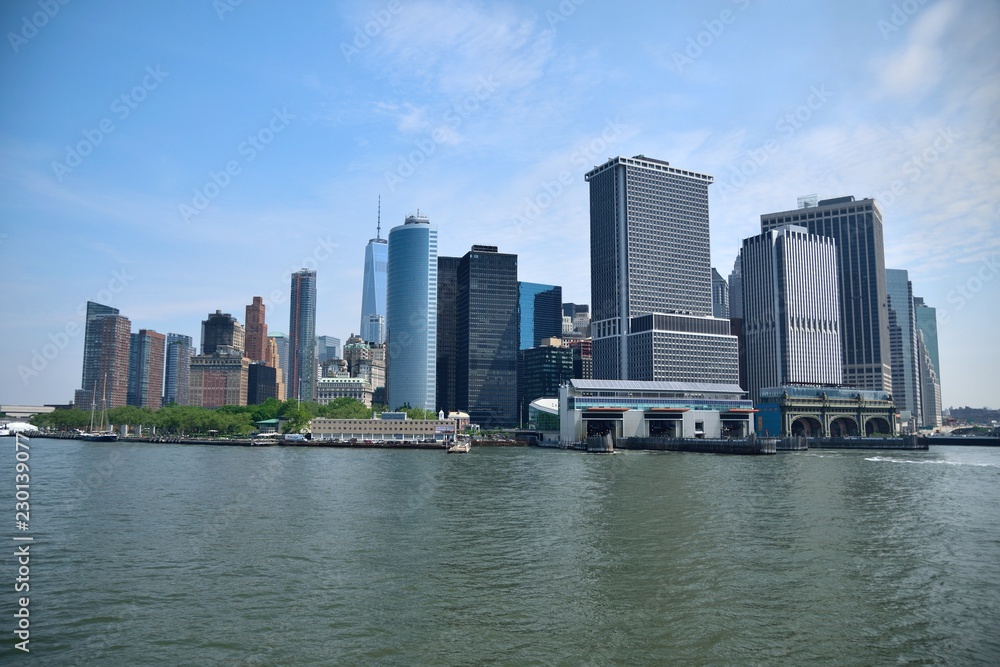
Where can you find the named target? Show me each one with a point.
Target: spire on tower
(378, 230)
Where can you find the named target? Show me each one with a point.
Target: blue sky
(171, 159)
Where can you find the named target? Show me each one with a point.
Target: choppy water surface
(192, 555)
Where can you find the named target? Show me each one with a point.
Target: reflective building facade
(540, 310)
(487, 337)
(903, 347)
(177, 369)
(411, 314)
(373, 294)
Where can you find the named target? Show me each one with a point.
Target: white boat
(460, 448)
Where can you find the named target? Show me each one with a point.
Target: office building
(720, 295)
(930, 386)
(145, 377)
(411, 314)
(926, 320)
(278, 343)
(791, 310)
(220, 378)
(327, 348)
(262, 383)
(447, 332)
(736, 317)
(177, 369)
(302, 337)
(373, 289)
(651, 285)
(583, 357)
(540, 313)
(487, 335)
(903, 348)
(579, 318)
(221, 330)
(256, 332)
(856, 228)
(543, 369)
(329, 389)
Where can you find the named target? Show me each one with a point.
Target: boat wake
(889, 459)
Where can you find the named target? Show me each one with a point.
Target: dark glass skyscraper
(650, 276)
(302, 337)
(92, 375)
(856, 228)
(447, 330)
(487, 337)
(540, 311)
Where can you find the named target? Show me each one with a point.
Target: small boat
(100, 436)
(460, 448)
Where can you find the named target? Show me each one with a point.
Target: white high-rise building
(411, 314)
(651, 280)
(791, 311)
(903, 347)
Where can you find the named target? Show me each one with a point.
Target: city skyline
(487, 118)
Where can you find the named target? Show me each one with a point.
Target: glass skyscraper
(302, 337)
(447, 317)
(651, 278)
(177, 369)
(903, 346)
(540, 310)
(145, 370)
(373, 290)
(411, 314)
(487, 336)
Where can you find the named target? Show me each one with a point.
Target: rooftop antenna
(378, 230)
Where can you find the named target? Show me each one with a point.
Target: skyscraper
(447, 317)
(373, 290)
(302, 337)
(221, 330)
(411, 314)
(487, 335)
(543, 369)
(720, 295)
(930, 386)
(736, 315)
(856, 228)
(327, 348)
(651, 285)
(540, 311)
(145, 378)
(926, 319)
(903, 347)
(177, 369)
(791, 311)
(115, 346)
(256, 331)
(92, 375)
(279, 359)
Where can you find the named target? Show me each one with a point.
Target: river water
(197, 555)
